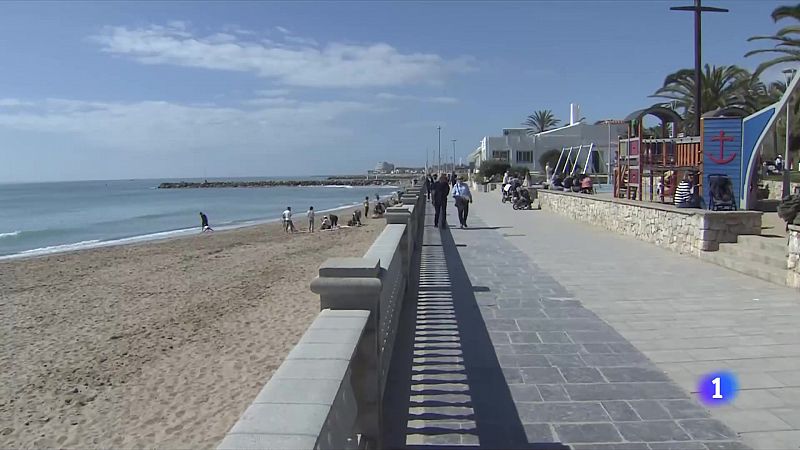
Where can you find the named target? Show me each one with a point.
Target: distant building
(384, 167)
(519, 148)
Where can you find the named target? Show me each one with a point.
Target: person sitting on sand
(380, 209)
(357, 218)
(310, 215)
(288, 226)
(204, 223)
(334, 221)
(325, 224)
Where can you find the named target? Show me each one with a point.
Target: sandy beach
(161, 344)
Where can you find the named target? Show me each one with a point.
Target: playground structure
(572, 164)
(652, 159)
(727, 148)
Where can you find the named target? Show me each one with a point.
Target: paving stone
(620, 411)
(614, 360)
(554, 337)
(525, 393)
(684, 409)
(649, 409)
(525, 337)
(545, 349)
(552, 392)
(596, 348)
(633, 374)
(688, 445)
(726, 445)
(541, 375)
(581, 375)
(562, 412)
(707, 429)
(523, 361)
(652, 431)
(538, 433)
(595, 337)
(624, 391)
(512, 375)
(587, 432)
(566, 361)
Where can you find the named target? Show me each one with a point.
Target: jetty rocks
(276, 183)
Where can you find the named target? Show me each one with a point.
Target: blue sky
(158, 89)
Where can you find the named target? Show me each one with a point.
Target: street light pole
(439, 167)
(454, 154)
(698, 9)
(787, 168)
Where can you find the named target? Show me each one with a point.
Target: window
(524, 157)
(501, 155)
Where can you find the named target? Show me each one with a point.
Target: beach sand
(161, 344)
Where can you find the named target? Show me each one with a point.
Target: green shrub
(490, 169)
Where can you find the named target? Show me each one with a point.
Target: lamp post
(439, 166)
(454, 154)
(787, 168)
(698, 9)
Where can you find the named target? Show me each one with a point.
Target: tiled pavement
(688, 316)
(497, 353)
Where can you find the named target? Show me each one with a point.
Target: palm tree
(723, 87)
(541, 121)
(787, 41)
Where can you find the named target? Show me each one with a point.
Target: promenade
(529, 330)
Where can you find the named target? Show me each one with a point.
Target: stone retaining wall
(793, 263)
(687, 231)
(775, 189)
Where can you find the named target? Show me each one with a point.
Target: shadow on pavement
(446, 387)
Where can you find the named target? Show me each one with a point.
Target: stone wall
(687, 231)
(793, 264)
(775, 189)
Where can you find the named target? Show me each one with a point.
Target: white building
(383, 167)
(518, 148)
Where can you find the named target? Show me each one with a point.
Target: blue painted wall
(753, 127)
(730, 162)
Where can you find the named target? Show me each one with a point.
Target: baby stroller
(507, 194)
(522, 200)
(721, 190)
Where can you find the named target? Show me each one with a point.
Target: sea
(46, 218)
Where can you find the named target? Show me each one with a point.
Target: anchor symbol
(721, 138)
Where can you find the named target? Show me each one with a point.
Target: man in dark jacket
(441, 189)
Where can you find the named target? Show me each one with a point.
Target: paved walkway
(506, 345)
(688, 316)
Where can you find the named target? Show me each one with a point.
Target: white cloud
(277, 126)
(414, 98)
(283, 30)
(297, 63)
(272, 92)
(13, 102)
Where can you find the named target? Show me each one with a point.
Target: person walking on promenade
(310, 215)
(429, 185)
(204, 223)
(441, 190)
(462, 197)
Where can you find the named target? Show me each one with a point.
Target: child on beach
(310, 215)
(366, 207)
(204, 223)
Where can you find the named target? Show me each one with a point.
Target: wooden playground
(649, 169)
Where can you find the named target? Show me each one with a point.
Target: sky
(121, 90)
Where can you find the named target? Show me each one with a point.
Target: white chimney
(574, 113)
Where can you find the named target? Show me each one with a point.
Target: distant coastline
(330, 181)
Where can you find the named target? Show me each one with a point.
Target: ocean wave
(10, 234)
(57, 248)
(340, 186)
